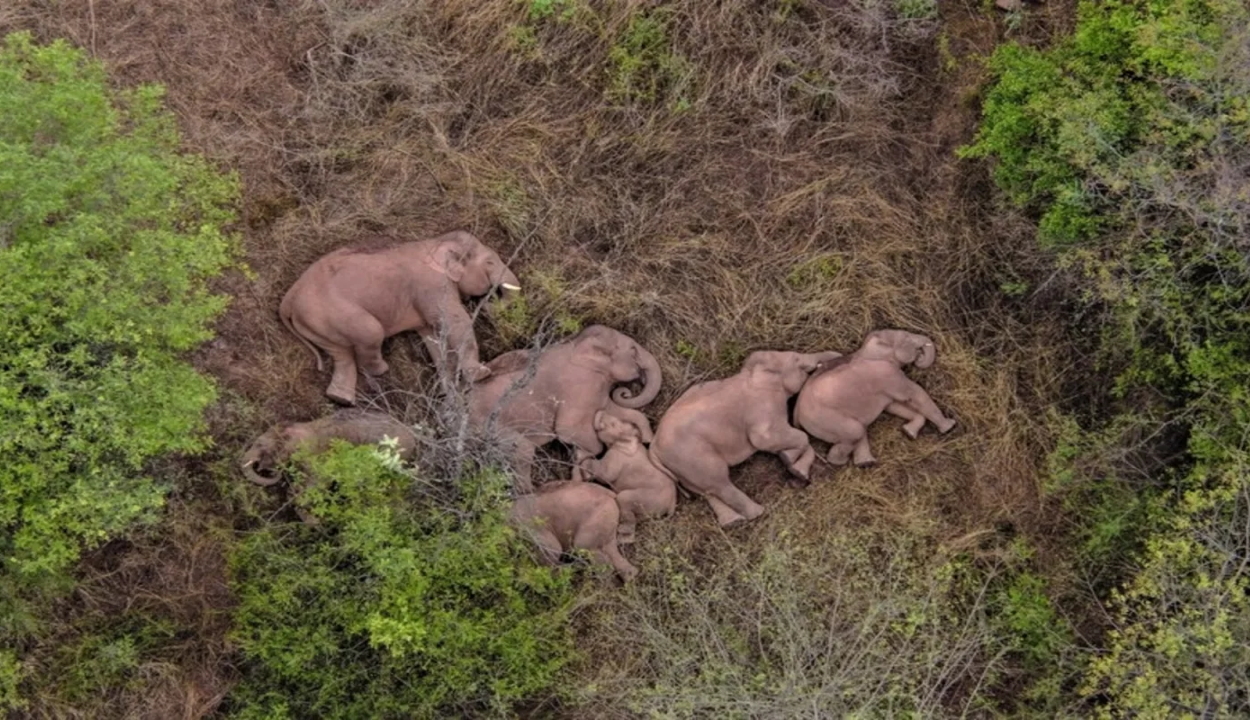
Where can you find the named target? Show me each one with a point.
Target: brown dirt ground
(681, 228)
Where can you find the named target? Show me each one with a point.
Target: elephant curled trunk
(928, 353)
(250, 465)
(649, 374)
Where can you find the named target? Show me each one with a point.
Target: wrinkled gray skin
(568, 383)
(718, 424)
(837, 405)
(642, 489)
(564, 516)
(349, 301)
(262, 462)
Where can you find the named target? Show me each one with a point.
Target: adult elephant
(533, 399)
(718, 424)
(349, 301)
(838, 405)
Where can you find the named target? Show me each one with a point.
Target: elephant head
(623, 359)
(900, 347)
(791, 368)
(612, 429)
(472, 266)
(262, 463)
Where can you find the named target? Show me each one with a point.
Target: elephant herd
(576, 392)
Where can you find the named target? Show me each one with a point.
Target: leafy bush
(108, 235)
(395, 605)
(1131, 140)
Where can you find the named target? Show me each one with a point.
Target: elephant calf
(838, 405)
(642, 489)
(716, 425)
(262, 462)
(566, 515)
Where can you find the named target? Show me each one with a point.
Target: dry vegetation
(764, 175)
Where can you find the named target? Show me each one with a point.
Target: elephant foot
(341, 398)
(625, 535)
(798, 483)
(838, 458)
(946, 425)
(912, 429)
(869, 462)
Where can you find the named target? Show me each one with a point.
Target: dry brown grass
(792, 186)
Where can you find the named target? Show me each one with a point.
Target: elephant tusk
(507, 286)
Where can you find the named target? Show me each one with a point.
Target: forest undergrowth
(711, 179)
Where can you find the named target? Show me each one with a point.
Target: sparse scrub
(854, 626)
(108, 239)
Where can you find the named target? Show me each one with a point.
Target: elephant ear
(592, 349)
(449, 258)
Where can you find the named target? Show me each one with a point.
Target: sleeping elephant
(350, 300)
(718, 424)
(262, 462)
(564, 516)
(642, 489)
(558, 396)
(837, 405)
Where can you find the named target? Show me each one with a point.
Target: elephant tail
(284, 312)
(655, 460)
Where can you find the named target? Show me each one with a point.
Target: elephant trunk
(649, 373)
(508, 282)
(928, 353)
(250, 463)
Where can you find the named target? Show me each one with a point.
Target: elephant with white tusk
(263, 461)
(838, 404)
(350, 300)
(566, 515)
(558, 396)
(718, 424)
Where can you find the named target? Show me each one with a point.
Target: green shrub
(108, 235)
(644, 66)
(399, 604)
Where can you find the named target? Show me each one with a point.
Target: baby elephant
(642, 489)
(838, 404)
(567, 515)
(263, 461)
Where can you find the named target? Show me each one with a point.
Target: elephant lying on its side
(566, 515)
(262, 462)
(350, 300)
(642, 489)
(559, 396)
(838, 405)
(718, 424)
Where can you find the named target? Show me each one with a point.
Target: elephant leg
(523, 462)
(915, 421)
(862, 455)
(342, 389)
(369, 358)
(629, 502)
(549, 548)
(919, 400)
(461, 352)
(844, 434)
(790, 443)
(580, 457)
(611, 554)
(725, 515)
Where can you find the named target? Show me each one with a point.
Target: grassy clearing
(710, 180)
